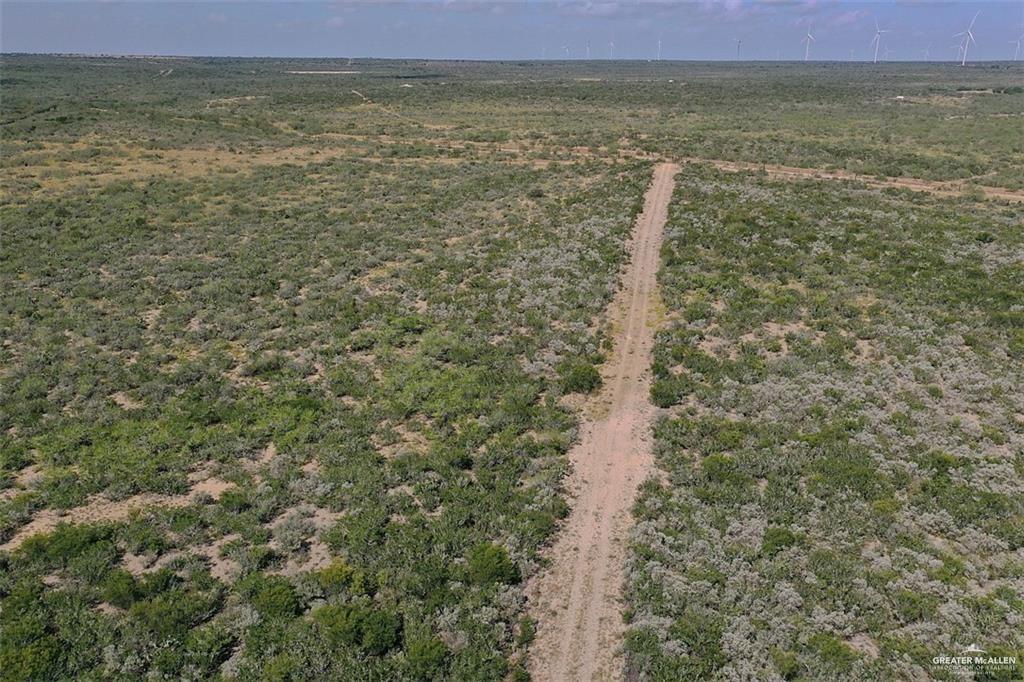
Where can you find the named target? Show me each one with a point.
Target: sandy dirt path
(577, 601)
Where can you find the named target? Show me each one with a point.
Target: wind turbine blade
(974, 20)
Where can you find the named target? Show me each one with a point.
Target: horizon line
(130, 55)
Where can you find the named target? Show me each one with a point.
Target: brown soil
(939, 188)
(576, 602)
(96, 510)
(136, 163)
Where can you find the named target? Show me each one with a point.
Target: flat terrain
(314, 369)
(842, 433)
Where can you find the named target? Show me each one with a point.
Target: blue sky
(466, 29)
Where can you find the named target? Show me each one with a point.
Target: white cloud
(847, 18)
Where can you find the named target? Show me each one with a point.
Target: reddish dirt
(577, 601)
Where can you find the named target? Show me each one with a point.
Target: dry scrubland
(843, 435)
(289, 372)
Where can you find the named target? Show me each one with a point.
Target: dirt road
(576, 602)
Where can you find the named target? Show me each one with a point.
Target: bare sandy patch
(29, 477)
(408, 441)
(717, 346)
(97, 510)
(221, 568)
(267, 455)
(226, 101)
(125, 402)
(863, 643)
(214, 487)
(150, 317)
(323, 73)
(132, 163)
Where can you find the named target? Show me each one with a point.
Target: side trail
(577, 600)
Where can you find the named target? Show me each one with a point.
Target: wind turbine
(927, 52)
(566, 48)
(877, 40)
(738, 43)
(611, 48)
(807, 39)
(1016, 48)
(968, 38)
(588, 49)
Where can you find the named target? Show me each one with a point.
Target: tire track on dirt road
(577, 600)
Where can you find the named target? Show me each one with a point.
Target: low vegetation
(290, 363)
(312, 409)
(843, 435)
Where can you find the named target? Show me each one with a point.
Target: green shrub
(273, 596)
(381, 632)
(489, 563)
(941, 462)
(915, 606)
(702, 634)
(721, 469)
(66, 543)
(669, 391)
(786, 663)
(578, 376)
(31, 661)
(527, 631)
(265, 365)
(777, 539)
(335, 576)
(209, 646)
(171, 614)
(120, 588)
(373, 631)
(283, 667)
(832, 652)
(235, 500)
(426, 658)
(1015, 346)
